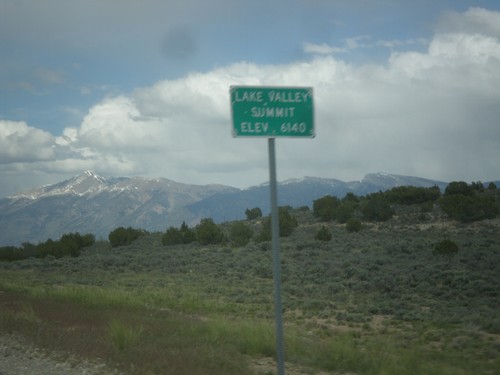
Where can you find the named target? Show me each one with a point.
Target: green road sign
(261, 111)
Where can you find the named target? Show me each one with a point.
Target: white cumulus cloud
(22, 143)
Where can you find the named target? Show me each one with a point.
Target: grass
(122, 336)
(373, 302)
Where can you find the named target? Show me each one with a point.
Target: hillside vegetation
(392, 283)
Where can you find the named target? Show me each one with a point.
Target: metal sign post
(271, 112)
(275, 227)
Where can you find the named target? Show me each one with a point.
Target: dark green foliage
(324, 208)
(124, 236)
(351, 198)
(11, 253)
(188, 235)
(446, 247)
(376, 207)
(303, 209)
(287, 223)
(172, 236)
(353, 225)
(492, 186)
(323, 234)
(458, 187)
(29, 249)
(69, 244)
(469, 208)
(72, 243)
(468, 203)
(240, 234)
(177, 236)
(207, 232)
(413, 195)
(253, 213)
(346, 211)
(477, 186)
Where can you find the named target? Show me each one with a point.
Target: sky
(141, 88)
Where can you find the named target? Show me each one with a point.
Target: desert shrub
(69, 244)
(350, 197)
(413, 195)
(177, 236)
(253, 213)
(446, 247)
(323, 234)
(124, 236)
(240, 234)
(207, 232)
(468, 208)
(302, 209)
(287, 223)
(345, 211)
(477, 186)
(324, 208)
(72, 243)
(426, 207)
(11, 253)
(171, 237)
(188, 234)
(376, 207)
(353, 225)
(458, 187)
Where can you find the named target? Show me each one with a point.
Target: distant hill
(227, 206)
(89, 203)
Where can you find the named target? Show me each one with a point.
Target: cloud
(431, 113)
(473, 21)
(48, 76)
(322, 49)
(348, 44)
(360, 42)
(20, 143)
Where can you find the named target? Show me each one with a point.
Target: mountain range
(89, 203)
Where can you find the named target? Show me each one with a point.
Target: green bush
(11, 253)
(376, 207)
(253, 213)
(353, 225)
(72, 243)
(207, 232)
(323, 234)
(469, 208)
(345, 211)
(69, 244)
(446, 247)
(287, 223)
(240, 234)
(413, 195)
(324, 208)
(177, 236)
(171, 237)
(124, 236)
(458, 187)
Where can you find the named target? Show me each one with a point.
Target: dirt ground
(19, 357)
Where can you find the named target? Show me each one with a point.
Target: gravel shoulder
(19, 357)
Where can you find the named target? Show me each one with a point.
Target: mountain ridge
(90, 203)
